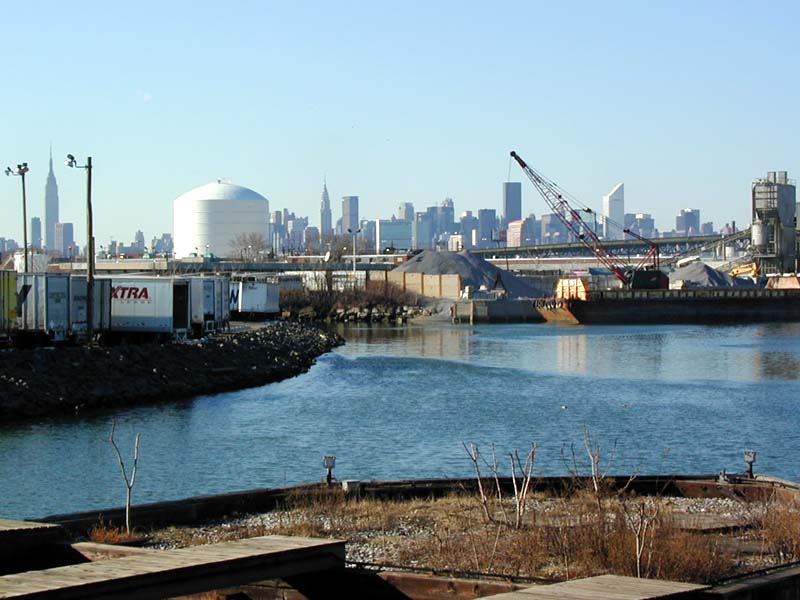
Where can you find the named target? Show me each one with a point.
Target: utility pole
(356, 232)
(20, 171)
(70, 162)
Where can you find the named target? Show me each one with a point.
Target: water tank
(209, 218)
(759, 235)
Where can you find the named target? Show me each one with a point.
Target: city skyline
(460, 221)
(51, 201)
(406, 124)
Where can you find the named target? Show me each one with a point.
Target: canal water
(400, 403)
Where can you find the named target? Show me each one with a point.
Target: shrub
(779, 526)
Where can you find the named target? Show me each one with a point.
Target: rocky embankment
(47, 381)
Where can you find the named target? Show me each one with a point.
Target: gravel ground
(379, 545)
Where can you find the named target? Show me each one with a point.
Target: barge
(688, 306)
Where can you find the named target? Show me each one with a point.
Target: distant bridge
(674, 248)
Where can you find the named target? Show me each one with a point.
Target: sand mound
(699, 274)
(474, 271)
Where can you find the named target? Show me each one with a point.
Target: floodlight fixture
(20, 171)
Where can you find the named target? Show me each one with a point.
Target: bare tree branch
(129, 482)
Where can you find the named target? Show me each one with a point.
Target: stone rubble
(72, 380)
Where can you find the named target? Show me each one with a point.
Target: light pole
(20, 171)
(70, 162)
(355, 233)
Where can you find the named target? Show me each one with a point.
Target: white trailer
(101, 305)
(150, 305)
(209, 306)
(253, 298)
(44, 300)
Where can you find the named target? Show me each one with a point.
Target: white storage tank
(209, 218)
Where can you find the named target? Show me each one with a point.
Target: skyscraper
(51, 208)
(349, 213)
(36, 232)
(64, 240)
(487, 222)
(512, 201)
(614, 212)
(515, 236)
(405, 212)
(325, 217)
(138, 242)
(422, 231)
(688, 221)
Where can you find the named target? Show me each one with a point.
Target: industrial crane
(652, 253)
(555, 197)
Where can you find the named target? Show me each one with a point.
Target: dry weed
(779, 526)
(104, 533)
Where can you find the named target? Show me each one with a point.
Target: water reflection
(775, 365)
(743, 353)
(399, 401)
(571, 353)
(455, 343)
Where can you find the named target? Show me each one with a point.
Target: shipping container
(44, 300)
(149, 305)
(252, 298)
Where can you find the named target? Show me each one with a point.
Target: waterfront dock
(162, 574)
(610, 587)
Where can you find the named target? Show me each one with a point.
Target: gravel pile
(699, 274)
(47, 381)
(474, 271)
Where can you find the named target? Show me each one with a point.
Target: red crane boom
(653, 253)
(554, 197)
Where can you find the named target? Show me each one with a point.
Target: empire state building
(50, 208)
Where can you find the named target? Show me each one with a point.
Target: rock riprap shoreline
(49, 381)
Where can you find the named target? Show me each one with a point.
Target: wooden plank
(162, 573)
(606, 587)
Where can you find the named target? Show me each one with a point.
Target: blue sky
(686, 102)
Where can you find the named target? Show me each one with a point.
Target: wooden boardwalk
(168, 573)
(606, 587)
(17, 537)
(13, 531)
